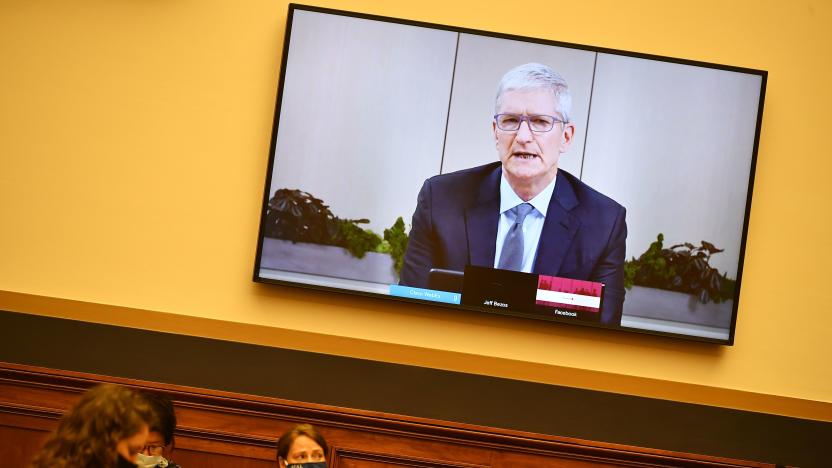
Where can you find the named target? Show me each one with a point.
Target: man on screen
(522, 213)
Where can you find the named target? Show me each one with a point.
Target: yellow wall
(134, 139)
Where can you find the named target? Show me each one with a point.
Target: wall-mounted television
(501, 174)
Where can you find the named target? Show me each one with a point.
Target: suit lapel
(559, 228)
(481, 221)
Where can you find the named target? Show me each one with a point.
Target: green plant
(298, 216)
(396, 238)
(682, 268)
(355, 239)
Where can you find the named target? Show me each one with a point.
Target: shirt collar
(509, 199)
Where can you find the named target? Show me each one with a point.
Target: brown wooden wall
(223, 429)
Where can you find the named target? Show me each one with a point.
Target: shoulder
(462, 179)
(585, 196)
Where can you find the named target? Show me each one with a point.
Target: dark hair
(165, 417)
(284, 443)
(89, 432)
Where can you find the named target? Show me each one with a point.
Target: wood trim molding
(247, 425)
(339, 455)
(30, 411)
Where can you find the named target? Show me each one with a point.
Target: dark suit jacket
(456, 219)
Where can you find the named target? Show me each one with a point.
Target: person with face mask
(302, 447)
(106, 428)
(157, 450)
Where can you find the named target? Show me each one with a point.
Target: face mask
(147, 461)
(306, 465)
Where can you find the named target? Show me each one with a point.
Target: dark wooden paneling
(22, 431)
(196, 459)
(219, 429)
(416, 391)
(18, 444)
(344, 458)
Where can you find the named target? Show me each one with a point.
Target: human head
(108, 421)
(530, 157)
(160, 440)
(301, 444)
(537, 76)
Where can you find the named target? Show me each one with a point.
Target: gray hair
(536, 76)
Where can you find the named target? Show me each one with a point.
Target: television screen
(503, 174)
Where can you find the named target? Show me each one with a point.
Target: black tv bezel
(763, 74)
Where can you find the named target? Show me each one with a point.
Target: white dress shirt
(532, 226)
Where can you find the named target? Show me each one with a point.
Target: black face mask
(306, 465)
(124, 463)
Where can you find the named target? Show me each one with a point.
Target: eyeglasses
(152, 449)
(537, 123)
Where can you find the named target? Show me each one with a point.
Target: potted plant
(683, 268)
(301, 218)
(678, 285)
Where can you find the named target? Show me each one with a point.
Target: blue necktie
(511, 257)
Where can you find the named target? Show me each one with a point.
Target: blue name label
(425, 294)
